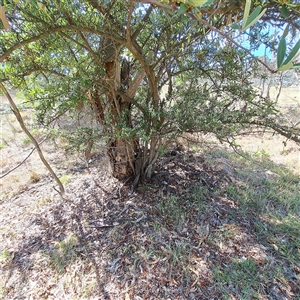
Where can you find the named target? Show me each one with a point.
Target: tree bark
(121, 151)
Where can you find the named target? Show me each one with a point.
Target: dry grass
(211, 225)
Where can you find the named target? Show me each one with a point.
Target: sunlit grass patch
(5, 255)
(45, 201)
(205, 237)
(239, 278)
(176, 208)
(26, 141)
(64, 179)
(264, 186)
(283, 234)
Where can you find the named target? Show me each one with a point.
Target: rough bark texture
(121, 157)
(120, 151)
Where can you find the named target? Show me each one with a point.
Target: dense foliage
(139, 73)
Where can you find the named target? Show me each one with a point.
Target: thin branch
(57, 30)
(156, 3)
(136, 50)
(211, 27)
(128, 99)
(37, 70)
(34, 141)
(89, 48)
(204, 22)
(19, 164)
(128, 26)
(290, 133)
(138, 30)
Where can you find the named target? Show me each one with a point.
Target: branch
(211, 27)
(135, 84)
(34, 141)
(156, 3)
(89, 48)
(128, 26)
(286, 132)
(136, 50)
(138, 30)
(128, 99)
(19, 164)
(57, 30)
(282, 130)
(38, 70)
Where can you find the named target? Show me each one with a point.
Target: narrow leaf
(199, 3)
(296, 66)
(284, 12)
(293, 53)
(286, 31)
(286, 67)
(234, 26)
(246, 13)
(281, 53)
(291, 5)
(182, 9)
(256, 15)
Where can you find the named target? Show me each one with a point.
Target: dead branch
(34, 141)
(19, 164)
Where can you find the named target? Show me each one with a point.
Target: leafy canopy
(147, 71)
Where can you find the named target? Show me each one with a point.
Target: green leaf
(291, 5)
(284, 12)
(200, 3)
(293, 53)
(246, 12)
(286, 31)
(281, 53)
(182, 9)
(183, 19)
(234, 26)
(255, 15)
(286, 67)
(34, 3)
(296, 66)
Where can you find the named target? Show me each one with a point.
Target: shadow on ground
(183, 235)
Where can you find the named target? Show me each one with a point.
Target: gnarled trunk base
(121, 155)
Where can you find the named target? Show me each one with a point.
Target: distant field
(15, 146)
(276, 147)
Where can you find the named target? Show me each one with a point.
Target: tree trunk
(121, 156)
(121, 151)
(127, 157)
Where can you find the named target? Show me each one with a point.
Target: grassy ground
(211, 224)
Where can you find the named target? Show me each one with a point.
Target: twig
(118, 222)
(18, 165)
